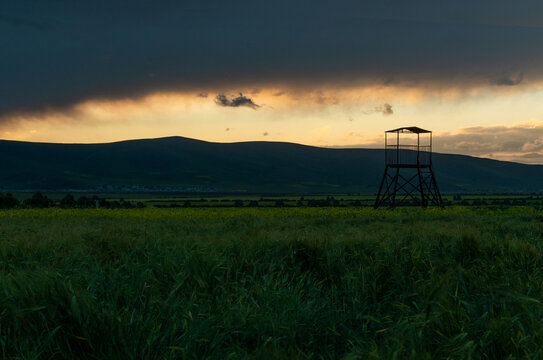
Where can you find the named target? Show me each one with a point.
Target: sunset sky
(326, 73)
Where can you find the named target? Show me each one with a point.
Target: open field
(304, 283)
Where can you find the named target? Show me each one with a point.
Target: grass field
(301, 283)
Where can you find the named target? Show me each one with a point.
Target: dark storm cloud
(237, 101)
(385, 109)
(508, 80)
(57, 53)
(40, 25)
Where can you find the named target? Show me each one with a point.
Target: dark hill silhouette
(247, 166)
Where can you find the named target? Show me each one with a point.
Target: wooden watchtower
(408, 173)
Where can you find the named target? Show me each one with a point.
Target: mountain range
(183, 164)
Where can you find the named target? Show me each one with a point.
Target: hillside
(193, 165)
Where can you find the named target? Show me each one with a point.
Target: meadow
(294, 283)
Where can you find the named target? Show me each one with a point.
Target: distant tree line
(329, 201)
(39, 200)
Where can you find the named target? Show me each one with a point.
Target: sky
(322, 72)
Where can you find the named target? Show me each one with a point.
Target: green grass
(271, 283)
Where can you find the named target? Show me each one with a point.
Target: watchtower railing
(408, 155)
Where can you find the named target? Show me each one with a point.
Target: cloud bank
(522, 142)
(56, 54)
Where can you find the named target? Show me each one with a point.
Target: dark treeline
(69, 201)
(328, 201)
(39, 200)
(7, 201)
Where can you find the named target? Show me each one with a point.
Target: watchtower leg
(439, 200)
(423, 202)
(379, 198)
(395, 180)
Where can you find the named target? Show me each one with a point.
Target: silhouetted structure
(409, 150)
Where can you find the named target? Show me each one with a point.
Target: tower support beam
(418, 186)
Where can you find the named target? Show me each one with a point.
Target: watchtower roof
(409, 129)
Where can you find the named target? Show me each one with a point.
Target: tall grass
(413, 285)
